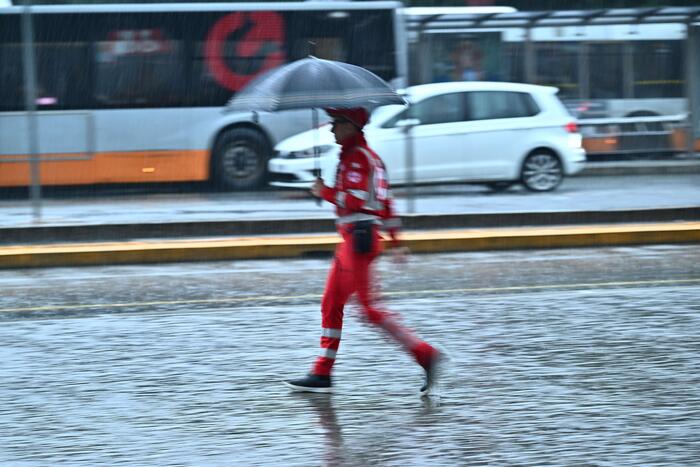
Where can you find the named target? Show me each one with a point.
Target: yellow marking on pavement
(583, 285)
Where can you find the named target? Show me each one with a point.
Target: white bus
(134, 93)
(612, 70)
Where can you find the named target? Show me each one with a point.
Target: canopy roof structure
(422, 20)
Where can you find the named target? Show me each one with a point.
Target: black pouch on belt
(362, 237)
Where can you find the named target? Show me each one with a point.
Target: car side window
(445, 108)
(484, 105)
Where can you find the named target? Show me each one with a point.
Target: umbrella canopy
(313, 82)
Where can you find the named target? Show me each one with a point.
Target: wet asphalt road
(558, 357)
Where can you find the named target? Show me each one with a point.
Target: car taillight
(571, 127)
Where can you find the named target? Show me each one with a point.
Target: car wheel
(499, 186)
(240, 159)
(542, 171)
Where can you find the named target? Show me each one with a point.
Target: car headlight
(309, 152)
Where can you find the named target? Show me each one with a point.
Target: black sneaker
(432, 372)
(311, 383)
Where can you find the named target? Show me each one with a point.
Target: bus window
(606, 61)
(347, 36)
(658, 69)
(370, 43)
(327, 48)
(357, 37)
(458, 57)
(557, 65)
(139, 63)
(320, 34)
(12, 89)
(204, 89)
(513, 64)
(62, 76)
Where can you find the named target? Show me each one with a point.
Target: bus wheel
(240, 159)
(542, 171)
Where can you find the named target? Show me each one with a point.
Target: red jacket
(361, 190)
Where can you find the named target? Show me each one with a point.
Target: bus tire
(240, 159)
(541, 171)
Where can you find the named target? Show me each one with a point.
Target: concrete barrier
(239, 248)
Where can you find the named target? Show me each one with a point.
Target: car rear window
(484, 105)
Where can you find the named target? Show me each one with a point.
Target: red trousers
(351, 274)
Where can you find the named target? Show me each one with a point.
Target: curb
(653, 167)
(308, 246)
(180, 230)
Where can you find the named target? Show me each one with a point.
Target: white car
(493, 133)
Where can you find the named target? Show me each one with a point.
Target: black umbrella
(311, 83)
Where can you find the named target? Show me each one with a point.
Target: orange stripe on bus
(109, 167)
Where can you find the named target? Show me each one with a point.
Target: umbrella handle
(318, 198)
(317, 162)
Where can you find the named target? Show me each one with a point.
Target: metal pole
(410, 165)
(30, 105)
(628, 70)
(317, 162)
(401, 40)
(530, 57)
(584, 71)
(407, 127)
(691, 86)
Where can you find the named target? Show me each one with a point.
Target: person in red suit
(363, 204)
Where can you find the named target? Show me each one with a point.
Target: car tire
(240, 159)
(541, 171)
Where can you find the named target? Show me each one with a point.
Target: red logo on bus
(258, 39)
